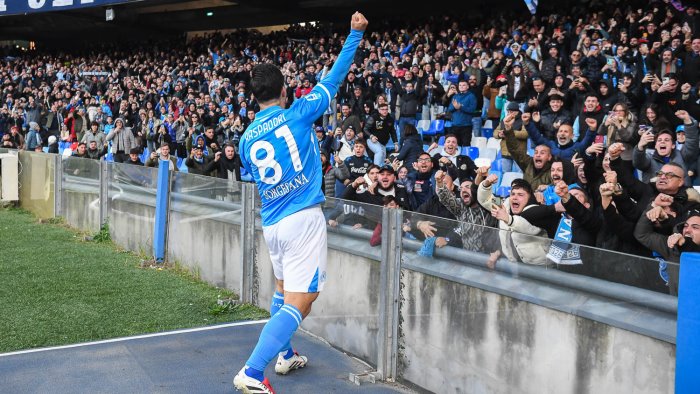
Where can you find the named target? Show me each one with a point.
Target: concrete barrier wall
(36, 180)
(207, 246)
(459, 339)
(131, 225)
(346, 312)
(81, 210)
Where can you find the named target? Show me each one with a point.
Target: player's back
(281, 152)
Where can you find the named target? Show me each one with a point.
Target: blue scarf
(562, 251)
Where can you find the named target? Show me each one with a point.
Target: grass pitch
(56, 288)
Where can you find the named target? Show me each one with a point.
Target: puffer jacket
(520, 241)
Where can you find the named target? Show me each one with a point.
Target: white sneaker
(248, 385)
(295, 362)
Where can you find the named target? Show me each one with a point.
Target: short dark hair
(267, 82)
(387, 199)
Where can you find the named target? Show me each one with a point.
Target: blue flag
(532, 6)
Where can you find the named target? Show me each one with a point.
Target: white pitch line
(124, 339)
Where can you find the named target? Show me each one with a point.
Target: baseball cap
(680, 129)
(387, 167)
(513, 106)
(319, 129)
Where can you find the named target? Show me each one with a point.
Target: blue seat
(45, 149)
(436, 127)
(503, 191)
(488, 133)
(144, 155)
(497, 165)
(530, 148)
(63, 145)
(179, 161)
(471, 151)
(109, 157)
(441, 140)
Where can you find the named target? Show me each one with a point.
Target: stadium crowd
(592, 116)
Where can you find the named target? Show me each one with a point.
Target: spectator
(122, 140)
(536, 168)
(474, 219)
(449, 159)
(163, 153)
(411, 99)
(134, 157)
(564, 146)
(462, 107)
(517, 241)
(197, 163)
(665, 150)
(411, 148)
(518, 127)
(33, 138)
(378, 130)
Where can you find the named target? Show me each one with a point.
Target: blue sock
(274, 336)
(277, 302)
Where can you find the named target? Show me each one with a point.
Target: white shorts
(298, 250)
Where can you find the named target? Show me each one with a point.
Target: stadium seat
(425, 147)
(482, 162)
(109, 157)
(497, 165)
(63, 146)
(508, 178)
(144, 155)
(479, 142)
(423, 125)
(530, 148)
(503, 191)
(497, 173)
(441, 141)
(488, 153)
(487, 129)
(436, 127)
(470, 151)
(45, 149)
(494, 143)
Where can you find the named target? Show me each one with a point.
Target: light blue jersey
(279, 148)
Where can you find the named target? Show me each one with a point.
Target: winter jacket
(534, 176)
(475, 222)
(462, 116)
(520, 240)
(650, 163)
(411, 149)
(563, 151)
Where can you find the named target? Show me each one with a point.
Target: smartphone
(666, 79)
(600, 139)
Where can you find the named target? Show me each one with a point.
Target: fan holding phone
(620, 125)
